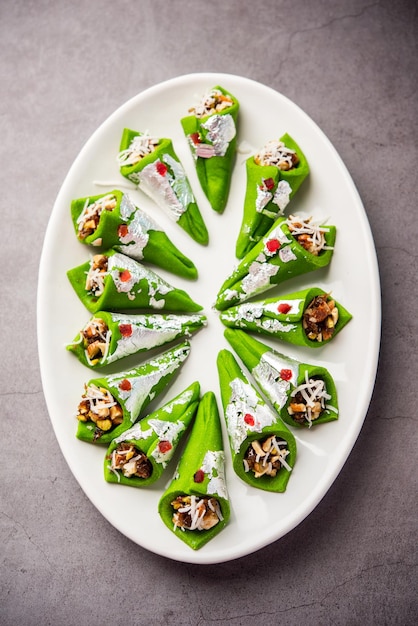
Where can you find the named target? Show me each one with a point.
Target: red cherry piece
(269, 183)
(248, 419)
(284, 308)
(125, 330)
(161, 168)
(285, 374)
(125, 385)
(199, 476)
(273, 245)
(164, 446)
(195, 137)
(122, 230)
(125, 275)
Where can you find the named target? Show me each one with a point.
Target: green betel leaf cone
(278, 257)
(160, 174)
(213, 140)
(304, 395)
(309, 317)
(111, 281)
(263, 448)
(139, 456)
(108, 337)
(268, 192)
(112, 221)
(200, 474)
(112, 404)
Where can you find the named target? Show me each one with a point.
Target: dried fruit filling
(276, 153)
(308, 401)
(89, 218)
(96, 274)
(266, 457)
(212, 102)
(96, 337)
(99, 407)
(196, 513)
(320, 318)
(309, 235)
(140, 146)
(131, 461)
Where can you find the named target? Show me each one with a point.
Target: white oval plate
(258, 518)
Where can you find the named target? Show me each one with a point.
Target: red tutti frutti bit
(125, 330)
(161, 168)
(199, 476)
(195, 137)
(268, 183)
(125, 385)
(248, 419)
(125, 275)
(285, 374)
(164, 446)
(272, 245)
(122, 230)
(284, 308)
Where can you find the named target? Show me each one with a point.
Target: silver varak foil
(171, 191)
(136, 238)
(221, 131)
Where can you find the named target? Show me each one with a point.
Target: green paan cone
(293, 246)
(153, 165)
(112, 404)
(263, 448)
(211, 130)
(112, 220)
(139, 455)
(108, 337)
(198, 490)
(305, 318)
(303, 394)
(269, 189)
(113, 282)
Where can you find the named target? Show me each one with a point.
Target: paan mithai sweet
(112, 281)
(274, 175)
(211, 130)
(153, 165)
(303, 394)
(108, 337)
(310, 317)
(263, 448)
(112, 404)
(293, 246)
(112, 220)
(195, 506)
(138, 456)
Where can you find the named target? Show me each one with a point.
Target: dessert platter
(208, 317)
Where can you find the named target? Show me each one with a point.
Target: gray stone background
(352, 66)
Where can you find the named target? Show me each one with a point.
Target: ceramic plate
(258, 518)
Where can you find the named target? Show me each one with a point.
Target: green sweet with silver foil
(263, 448)
(211, 130)
(287, 383)
(276, 258)
(113, 282)
(139, 455)
(283, 317)
(108, 337)
(112, 404)
(195, 506)
(112, 220)
(153, 165)
(268, 192)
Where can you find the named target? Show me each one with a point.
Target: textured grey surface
(352, 66)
